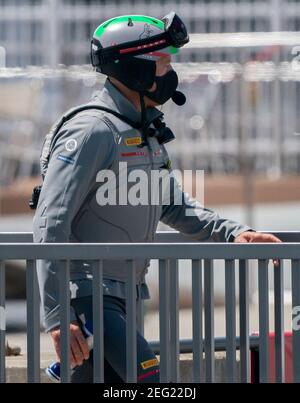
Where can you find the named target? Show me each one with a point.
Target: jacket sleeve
(194, 220)
(85, 146)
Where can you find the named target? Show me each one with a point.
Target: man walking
(119, 127)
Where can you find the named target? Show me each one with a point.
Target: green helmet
(128, 46)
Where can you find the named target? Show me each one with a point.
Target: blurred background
(241, 122)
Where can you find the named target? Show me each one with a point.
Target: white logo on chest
(71, 145)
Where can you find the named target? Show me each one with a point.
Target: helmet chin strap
(143, 119)
(178, 98)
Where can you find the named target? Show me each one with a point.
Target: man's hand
(249, 236)
(79, 347)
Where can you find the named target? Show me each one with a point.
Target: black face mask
(165, 88)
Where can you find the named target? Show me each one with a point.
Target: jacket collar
(115, 100)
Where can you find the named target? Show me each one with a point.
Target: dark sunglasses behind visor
(175, 35)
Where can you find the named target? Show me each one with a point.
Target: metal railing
(168, 248)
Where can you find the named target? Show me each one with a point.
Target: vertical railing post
(296, 330)
(131, 327)
(98, 347)
(197, 321)
(279, 322)
(263, 287)
(244, 320)
(174, 322)
(209, 321)
(64, 298)
(140, 314)
(2, 322)
(33, 323)
(164, 320)
(230, 321)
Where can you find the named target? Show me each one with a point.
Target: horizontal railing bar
(186, 345)
(175, 236)
(244, 40)
(79, 251)
(161, 236)
(25, 237)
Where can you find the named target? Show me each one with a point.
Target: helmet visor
(176, 29)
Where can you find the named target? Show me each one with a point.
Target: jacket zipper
(149, 226)
(154, 206)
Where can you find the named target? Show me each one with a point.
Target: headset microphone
(179, 98)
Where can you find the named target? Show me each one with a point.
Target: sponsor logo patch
(134, 154)
(64, 158)
(133, 141)
(71, 145)
(149, 363)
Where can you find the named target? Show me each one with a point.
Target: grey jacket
(69, 209)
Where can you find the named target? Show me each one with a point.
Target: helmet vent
(130, 23)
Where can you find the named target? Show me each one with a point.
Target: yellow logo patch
(149, 363)
(133, 141)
